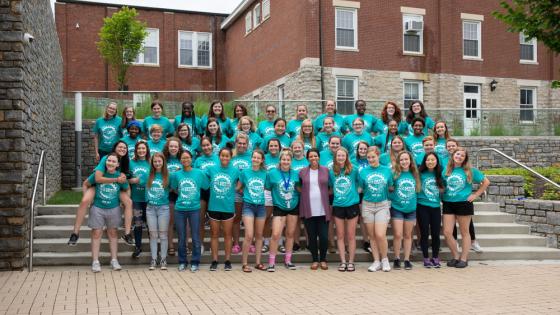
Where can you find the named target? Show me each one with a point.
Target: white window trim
(414, 53)
(263, 17)
(355, 26)
(355, 92)
(534, 61)
(255, 22)
(534, 109)
(194, 50)
(420, 91)
(250, 15)
(479, 35)
(141, 55)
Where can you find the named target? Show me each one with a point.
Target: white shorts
(376, 212)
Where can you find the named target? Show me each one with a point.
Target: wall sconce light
(493, 85)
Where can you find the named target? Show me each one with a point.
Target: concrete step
(493, 217)
(486, 206)
(490, 253)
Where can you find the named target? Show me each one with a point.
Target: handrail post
(78, 138)
(44, 182)
(32, 210)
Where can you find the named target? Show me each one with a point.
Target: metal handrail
(32, 210)
(539, 175)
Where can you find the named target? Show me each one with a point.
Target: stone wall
(30, 118)
(67, 153)
(542, 215)
(504, 187)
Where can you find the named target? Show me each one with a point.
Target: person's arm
(100, 179)
(96, 147)
(239, 187)
(481, 189)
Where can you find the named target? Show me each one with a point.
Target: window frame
(354, 12)
(420, 93)
(257, 9)
(406, 17)
(354, 92)
(534, 90)
(263, 16)
(195, 64)
(533, 42)
(141, 55)
(479, 39)
(249, 26)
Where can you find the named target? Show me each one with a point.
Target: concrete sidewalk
(482, 288)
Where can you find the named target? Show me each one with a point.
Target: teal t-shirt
(156, 147)
(265, 128)
(375, 182)
(419, 158)
(380, 127)
(107, 195)
(359, 164)
(429, 195)
(323, 138)
(456, 186)
(225, 125)
(414, 144)
(188, 184)
(369, 122)
(271, 162)
(326, 159)
(297, 165)
(351, 140)
(222, 188)
(108, 132)
(216, 147)
(385, 159)
(193, 148)
(293, 128)
(283, 188)
(157, 194)
(139, 169)
(174, 164)
(344, 188)
(242, 161)
(285, 141)
(204, 161)
(382, 142)
(441, 150)
(196, 130)
(130, 143)
(253, 182)
(339, 124)
(162, 121)
(403, 198)
(428, 126)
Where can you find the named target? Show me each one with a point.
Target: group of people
(332, 173)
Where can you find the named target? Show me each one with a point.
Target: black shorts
(331, 199)
(205, 194)
(277, 212)
(458, 208)
(346, 212)
(220, 216)
(173, 197)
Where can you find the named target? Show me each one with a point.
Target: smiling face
(341, 157)
(257, 159)
(307, 128)
(397, 145)
(404, 162)
(328, 125)
(111, 109)
(390, 109)
(270, 112)
(451, 146)
(358, 126)
(428, 146)
(334, 144)
(141, 151)
(418, 127)
(273, 147)
(156, 111)
(362, 150)
(157, 162)
(361, 107)
(313, 159)
(297, 148)
(239, 112)
(431, 162)
(129, 113)
(440, 128)
(301, 112)
(133, 131)
(280, 127)
(121, 149)
(285, 162)
(245, 125)
(373, 158)
(241, 145)
(330, 107)
(213, 127)
(184, 132)
(112, 163)
(206, 146)
(225, 157)
(186, 159)
(459, 157)
(393, 127)
(416, 108)
(173, 147)
(156, 134)
(217, 109)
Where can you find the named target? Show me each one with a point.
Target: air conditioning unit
(413, 26)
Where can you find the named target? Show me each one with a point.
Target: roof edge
(236, 13)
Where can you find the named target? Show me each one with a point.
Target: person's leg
(407, 241)
(203, 207)
(397, 225)
(215, 234)
(448, 225)
(278, 223)
(365, 234)
(137, 209)
(151, 217)
(455, 232)
(464, 221)
(370, 228)
(227, 225)
(380, 231)
(311, 226)
(350, 230)
(268, 226)
(181, 227)
(332, 243)
(163, 231)
(127, 202)
(170, 225)
(340, 225)
(194, 222)
(259, 228)
(291, 226)
(237, 226)
(112, 235)
(87, 199)
(424, 220)
(95, 243)
(323, 232)
(435, 226)
(297, 234)
(249, 224)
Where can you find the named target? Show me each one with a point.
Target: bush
(550, 192)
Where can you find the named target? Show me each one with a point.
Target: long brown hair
(211, 110)
(347, 164)
(397, 169)
(466, 165)
(301, 136)
(218, 137)
(164, 172)
(397, 116)
(446, 135)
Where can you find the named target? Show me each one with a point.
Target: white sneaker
(476, 247)
(115, 265)
(153, 264)
(376, 266)
(163, 264)
(96, 266)
(386, 266)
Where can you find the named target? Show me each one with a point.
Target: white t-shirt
(315, 194)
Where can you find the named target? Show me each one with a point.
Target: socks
(271, 260)
(288, 258)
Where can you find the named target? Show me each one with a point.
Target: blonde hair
(105, 115)
(412, 168)
(428, 138)
(246, 118)
(347, 164)
(301, 136)
(156, 127)
(283, 152)
(466, 165)
(240, 135)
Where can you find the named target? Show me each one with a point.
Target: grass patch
(65, 197)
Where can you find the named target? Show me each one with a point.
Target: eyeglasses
(271, 111)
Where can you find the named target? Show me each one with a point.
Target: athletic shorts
(277, 212)
(405, 216)
(376, 212)
(109, 218)
(220, 216)
(458, 208)
(346, 212)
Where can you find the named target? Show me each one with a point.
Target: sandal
(350, 267)
(171, 251)
(260, 267)
(324, 265)
(247, 269)
(314, 266)
(342, 267)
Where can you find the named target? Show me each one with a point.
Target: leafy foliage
(553, 173)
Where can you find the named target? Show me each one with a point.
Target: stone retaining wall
(504, 187)
(542, 215)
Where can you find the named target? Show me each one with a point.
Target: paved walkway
(483, 288)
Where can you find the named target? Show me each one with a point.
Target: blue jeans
(138, 214)
(193, 218)
(158, 223)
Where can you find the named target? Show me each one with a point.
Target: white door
(471, 99)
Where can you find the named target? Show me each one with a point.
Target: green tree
(538, 19)
(120, 41)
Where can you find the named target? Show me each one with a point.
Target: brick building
(445, 53)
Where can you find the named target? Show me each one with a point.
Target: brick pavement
(487, 287)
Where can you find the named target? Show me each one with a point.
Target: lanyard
(286, 181)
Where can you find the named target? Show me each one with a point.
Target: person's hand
(121, 179)
(472, 197)
(97, 157)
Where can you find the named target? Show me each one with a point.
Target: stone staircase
(498, 234)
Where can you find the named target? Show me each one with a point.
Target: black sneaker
(227, 266)
(397, 264)
(407, 265)
(461, 264)
(137, 252)
(296, 247)
(290, 266)
(214, 266)
(129, 240)
(367, 247)
(452, 263)
(73, 239)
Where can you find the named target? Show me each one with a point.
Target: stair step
(486, 206)
(493, 217)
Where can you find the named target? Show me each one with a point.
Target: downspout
(321, 54)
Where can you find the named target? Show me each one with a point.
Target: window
(256, 16)
(527, 103)
(195, 49)
(528, 48)
(471, 39)
(346, 94)
(248, 22)
(346, 28)
(413, 29)
(265, 9)
(412, 91)
(150, 56)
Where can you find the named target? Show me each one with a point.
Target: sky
(214, 6)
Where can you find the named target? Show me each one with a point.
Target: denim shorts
(399, 215)
(255, 211)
